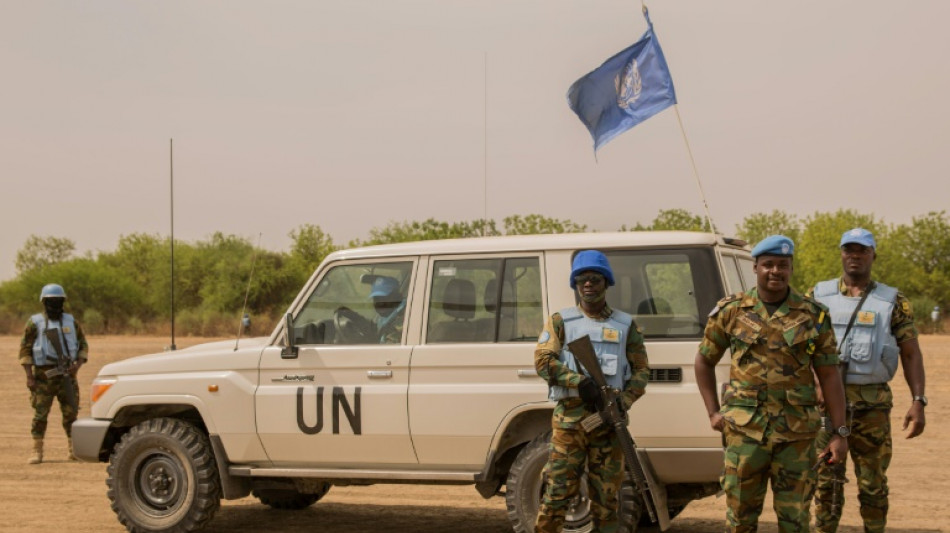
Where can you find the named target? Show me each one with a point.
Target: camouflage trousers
(870, 448)
(571, 451)
(62, 388)
(749, 467)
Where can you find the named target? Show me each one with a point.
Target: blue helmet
(594, 261)
(52, 290)
(383, 286)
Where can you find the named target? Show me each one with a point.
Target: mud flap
(657, 490)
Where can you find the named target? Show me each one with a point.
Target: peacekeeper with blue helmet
(618, 344)
(769, 414)
(875, 327)
(390, 309)
(44, 365)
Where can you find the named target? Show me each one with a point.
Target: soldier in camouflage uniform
(390, 309)
(39, 358)
(619, 347)
(882, 331)
(770, 417)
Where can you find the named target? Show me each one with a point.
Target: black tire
(288, 499)
(162, 477)
(526, 484)
(633, 515)
(674, 511)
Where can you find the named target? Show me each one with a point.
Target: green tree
(430, 229)
(38, 252)
(672, 220)
(817, 255)
(758, 226)
(89, 284)
(310, 245)
(916, 258)
(146, 260)
(535, 224)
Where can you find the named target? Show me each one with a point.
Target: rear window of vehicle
(669, 292)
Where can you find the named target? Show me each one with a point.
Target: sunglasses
(594, 279)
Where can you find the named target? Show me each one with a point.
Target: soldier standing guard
(770, 417)
(875, 328)
(619, 347)
(51, 352)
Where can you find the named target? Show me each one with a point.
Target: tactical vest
(609, 338)
(870, 350)
(43, 352)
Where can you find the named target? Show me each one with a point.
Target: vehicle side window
(485, 300)
(732, 273)
(356, 304)
(668, 292)
(745, 269)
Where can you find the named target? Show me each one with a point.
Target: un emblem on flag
(628, 84)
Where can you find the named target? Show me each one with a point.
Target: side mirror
(290, 349)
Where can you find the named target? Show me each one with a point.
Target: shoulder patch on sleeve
(724, 302)
(545, 337)
(817, 307)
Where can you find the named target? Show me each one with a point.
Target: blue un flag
(627, 89)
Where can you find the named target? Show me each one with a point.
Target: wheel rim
(578, 511)
(158, 482)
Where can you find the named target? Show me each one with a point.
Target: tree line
(128, 290)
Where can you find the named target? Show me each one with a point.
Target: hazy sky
(351, 114)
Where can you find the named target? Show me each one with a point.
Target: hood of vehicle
(219, 355)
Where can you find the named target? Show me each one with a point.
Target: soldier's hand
(838, 447)
(31, 383)
(74, 368)
(717, 421)
(915, 420)
(590, 393)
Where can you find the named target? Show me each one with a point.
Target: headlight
(100, 386)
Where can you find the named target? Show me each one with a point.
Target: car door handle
(527, 373)
(379, 374)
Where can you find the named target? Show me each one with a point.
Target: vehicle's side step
(383, 476)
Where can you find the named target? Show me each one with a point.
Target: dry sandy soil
(62, 496)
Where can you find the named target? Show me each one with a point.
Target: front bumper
(88, 436)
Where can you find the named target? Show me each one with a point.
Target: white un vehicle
(448, 396)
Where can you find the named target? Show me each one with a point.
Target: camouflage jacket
(771, 386)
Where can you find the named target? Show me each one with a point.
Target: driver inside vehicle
(390, 309)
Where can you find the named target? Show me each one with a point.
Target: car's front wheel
(162, 477)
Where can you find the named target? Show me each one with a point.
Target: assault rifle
(612, 413)
(63, 360)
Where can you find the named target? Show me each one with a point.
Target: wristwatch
(922, 399)
(843, 431)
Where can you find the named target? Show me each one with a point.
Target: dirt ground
(58, 495)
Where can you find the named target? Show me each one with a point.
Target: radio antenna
(247, 293)
(171, 195)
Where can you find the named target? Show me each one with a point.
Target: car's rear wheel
(289, 499)
(527, 482)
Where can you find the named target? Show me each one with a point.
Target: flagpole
(692, 161)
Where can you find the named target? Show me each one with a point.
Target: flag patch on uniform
(611, 335)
